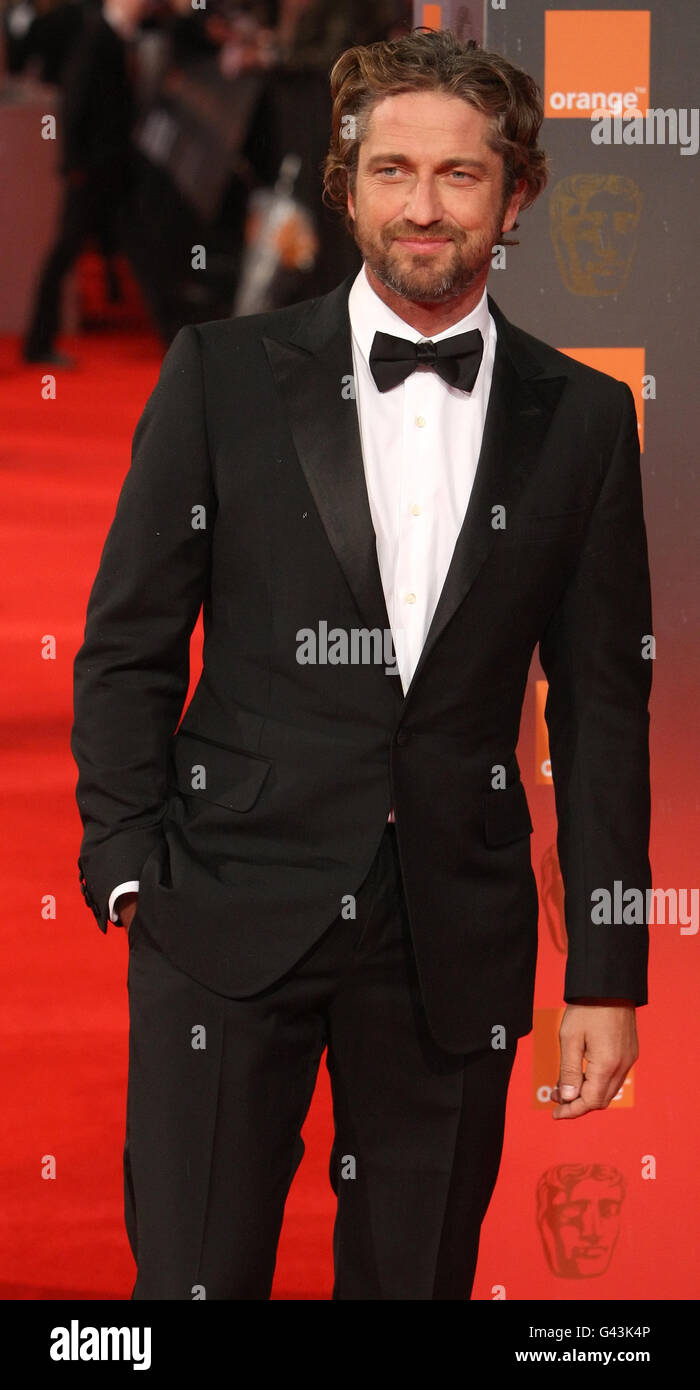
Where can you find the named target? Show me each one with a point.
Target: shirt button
(420, 421)
(410, 598)
(415, 509)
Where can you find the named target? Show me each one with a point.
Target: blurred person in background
(313, 33)
(95, 125)
(40, 37)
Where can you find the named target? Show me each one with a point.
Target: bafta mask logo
(593, 221)
(552, 898)
(578, 1215)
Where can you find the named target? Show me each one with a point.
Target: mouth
(423, 244)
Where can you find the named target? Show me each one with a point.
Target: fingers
(600, 1086)
(605, 1038)
(571, 1076)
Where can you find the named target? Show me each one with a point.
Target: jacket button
(403, 736)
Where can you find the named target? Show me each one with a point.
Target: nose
(605, 240)
(590, 1226)
(423, 205)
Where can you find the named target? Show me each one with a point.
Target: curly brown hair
(434, 60)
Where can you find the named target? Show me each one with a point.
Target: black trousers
(89, 210)
(219, 1088)
(121, 209)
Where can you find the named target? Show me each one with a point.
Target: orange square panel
(596, 60)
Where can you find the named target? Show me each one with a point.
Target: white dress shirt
(420, 445)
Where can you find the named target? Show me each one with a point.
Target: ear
(513, 206)
(351, 203)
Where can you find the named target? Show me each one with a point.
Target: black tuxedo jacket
(250, 823)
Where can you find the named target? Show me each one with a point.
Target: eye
(463, 175)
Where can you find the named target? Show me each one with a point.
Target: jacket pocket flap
(230, 777)
(506, 815)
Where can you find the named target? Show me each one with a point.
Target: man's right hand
(125, 908)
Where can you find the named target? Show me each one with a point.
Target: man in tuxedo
(332, 849)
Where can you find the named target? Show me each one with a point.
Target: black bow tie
(456, 359)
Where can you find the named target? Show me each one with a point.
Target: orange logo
(626, 364)
(545, 1068)
(596, 61)
(431, 16)
(543, 766)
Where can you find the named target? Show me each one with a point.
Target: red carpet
(64, 997)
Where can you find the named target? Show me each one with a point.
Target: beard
(420, 276)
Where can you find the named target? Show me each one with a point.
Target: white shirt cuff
(131, 887)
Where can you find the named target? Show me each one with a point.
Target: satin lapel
(518, 416)
(314, 374)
